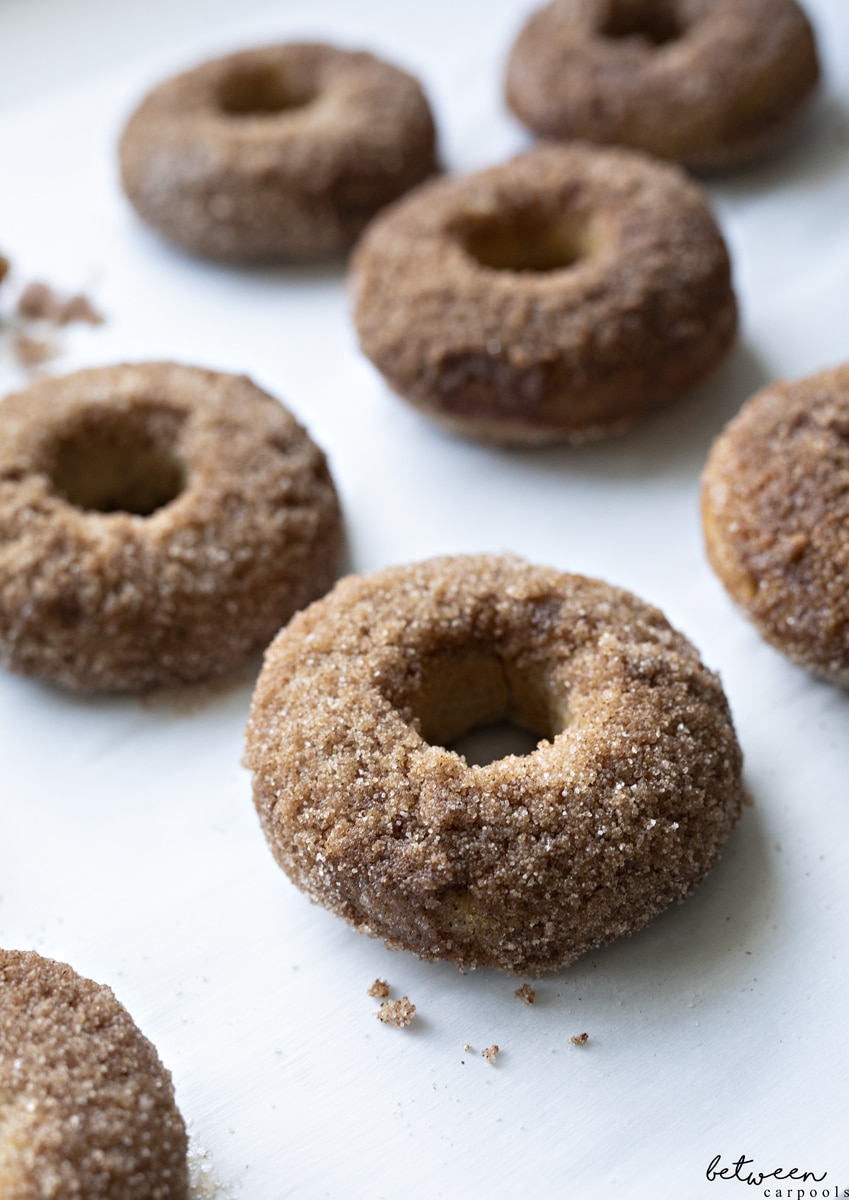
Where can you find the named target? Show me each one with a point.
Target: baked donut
(527, 862)
(707, 83)
(158, 524)
(558, 297)
(284, 152)
(775, 510)
(87, 1107)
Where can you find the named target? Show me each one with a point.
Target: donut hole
(657, 24)
(485, 744)
(485, 707)
(526, 241)
(262, 91)
(113, 461)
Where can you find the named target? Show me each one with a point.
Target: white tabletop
(128, 842)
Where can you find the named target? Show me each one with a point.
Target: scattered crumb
(468, 1048)
(37, 315)
(40, 302)
(490, 1054)
(526, 993)
(379, 989)
(33, 351)
(396, 1012)
(580, 1039)
(79, 308)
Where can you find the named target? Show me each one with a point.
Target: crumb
(580, 1039)
(33, 351)
(40, 311)
(490, 1054)
(468, 1047)
(39, 302)
(78, 308)
(396, 1012)
(380, 988)
(526, 993)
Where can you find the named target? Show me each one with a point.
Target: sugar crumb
(526, 993)
(396, 1012)
(33, 351)
(490, 1054)
(379, 989)
(579, 1039)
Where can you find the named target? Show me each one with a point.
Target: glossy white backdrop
(128, 843)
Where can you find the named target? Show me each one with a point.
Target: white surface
(128, 842)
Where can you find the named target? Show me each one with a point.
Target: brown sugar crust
(158, 524)
(708, 83)
(775, 509)
(558, 297)
(283, 152)
(86, 1108)
(524, 863)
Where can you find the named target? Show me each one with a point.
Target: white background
(128, 842)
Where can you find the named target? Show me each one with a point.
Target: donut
(87, 1107)
(158, 524)
(707, 83)
(558, 297)
(279, 153)
(775, 513)
(527, 862)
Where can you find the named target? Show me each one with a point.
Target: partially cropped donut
(524, 863)
(158, 524)
(279, 153)
(707, 83)
(88, 1109)
(775, 509)
(558, 297)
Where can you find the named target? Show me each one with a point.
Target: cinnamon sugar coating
(282, 152)
(707, 83)
(158, 524)
(524, 863)
(775, 510)
(87, 1110)
(558, 297)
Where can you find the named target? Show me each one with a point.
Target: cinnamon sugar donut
(558, 297)
(87, 1107)
(283, 152)
(158, 524)
(527, 862)
(708, 83)
(775, 508)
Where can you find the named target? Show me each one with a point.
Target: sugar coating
(708, 83)
(320, 140)
(644, 309)
(118, 601)
(87, 1109)
(775, 509)
(524, 863)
